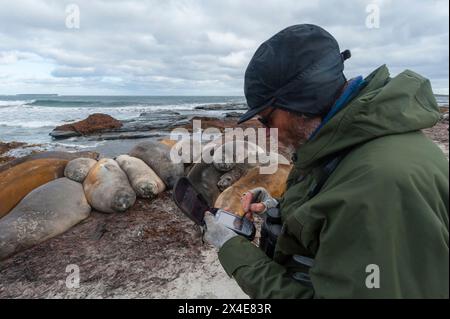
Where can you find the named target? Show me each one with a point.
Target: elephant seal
(232, 176)
(274, 183)
(19, 180)
(157, 156)
(230, 154)
(22, 175)
(46, 155)
(47, 211)
(205, 178)
(193, 159)
(235, 158)
(143, 179)
(79, 168)
(107, 187)
(189, 150)
(168, 142)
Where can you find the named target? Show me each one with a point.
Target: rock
(222, 123)
(159, 113)
(47, 211)
(57, 134)
(93, 124)
(5, 147)
(79, 168)
(234, 114)
(113, 136)
(224, 107)
(145, 125)
(160, 119)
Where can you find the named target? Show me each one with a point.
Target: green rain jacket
(386, 204)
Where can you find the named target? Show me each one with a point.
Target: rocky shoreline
(144, 125)
(119, 135)
(6, 147)
(148, 124)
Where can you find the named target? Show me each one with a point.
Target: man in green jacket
(365, 213)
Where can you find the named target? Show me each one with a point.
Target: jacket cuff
(238, 252)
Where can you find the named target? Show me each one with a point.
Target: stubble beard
(298, 133)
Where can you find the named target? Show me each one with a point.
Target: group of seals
(44, 155)
(21, 176)
(45, 212)
(37, 202)
(157, 156)
(232, 173)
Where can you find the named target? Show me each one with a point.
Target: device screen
(230, 220)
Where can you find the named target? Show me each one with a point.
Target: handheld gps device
(194, 205)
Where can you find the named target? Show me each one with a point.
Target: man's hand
(216, 233)
(258, 201)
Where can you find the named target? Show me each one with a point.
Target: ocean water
(30, 118)
(442, 100)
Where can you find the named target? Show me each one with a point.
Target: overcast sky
(201, 47)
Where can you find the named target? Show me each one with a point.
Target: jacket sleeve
(258, 275)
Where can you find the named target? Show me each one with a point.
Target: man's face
(293, 130)
(277, 118)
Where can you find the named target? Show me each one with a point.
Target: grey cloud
(203, 47)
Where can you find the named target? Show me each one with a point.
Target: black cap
(299, 69)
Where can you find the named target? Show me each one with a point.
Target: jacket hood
(385, 106)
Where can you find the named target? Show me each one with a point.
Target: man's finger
(249, 216)
(257, 207)
(246, 201)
